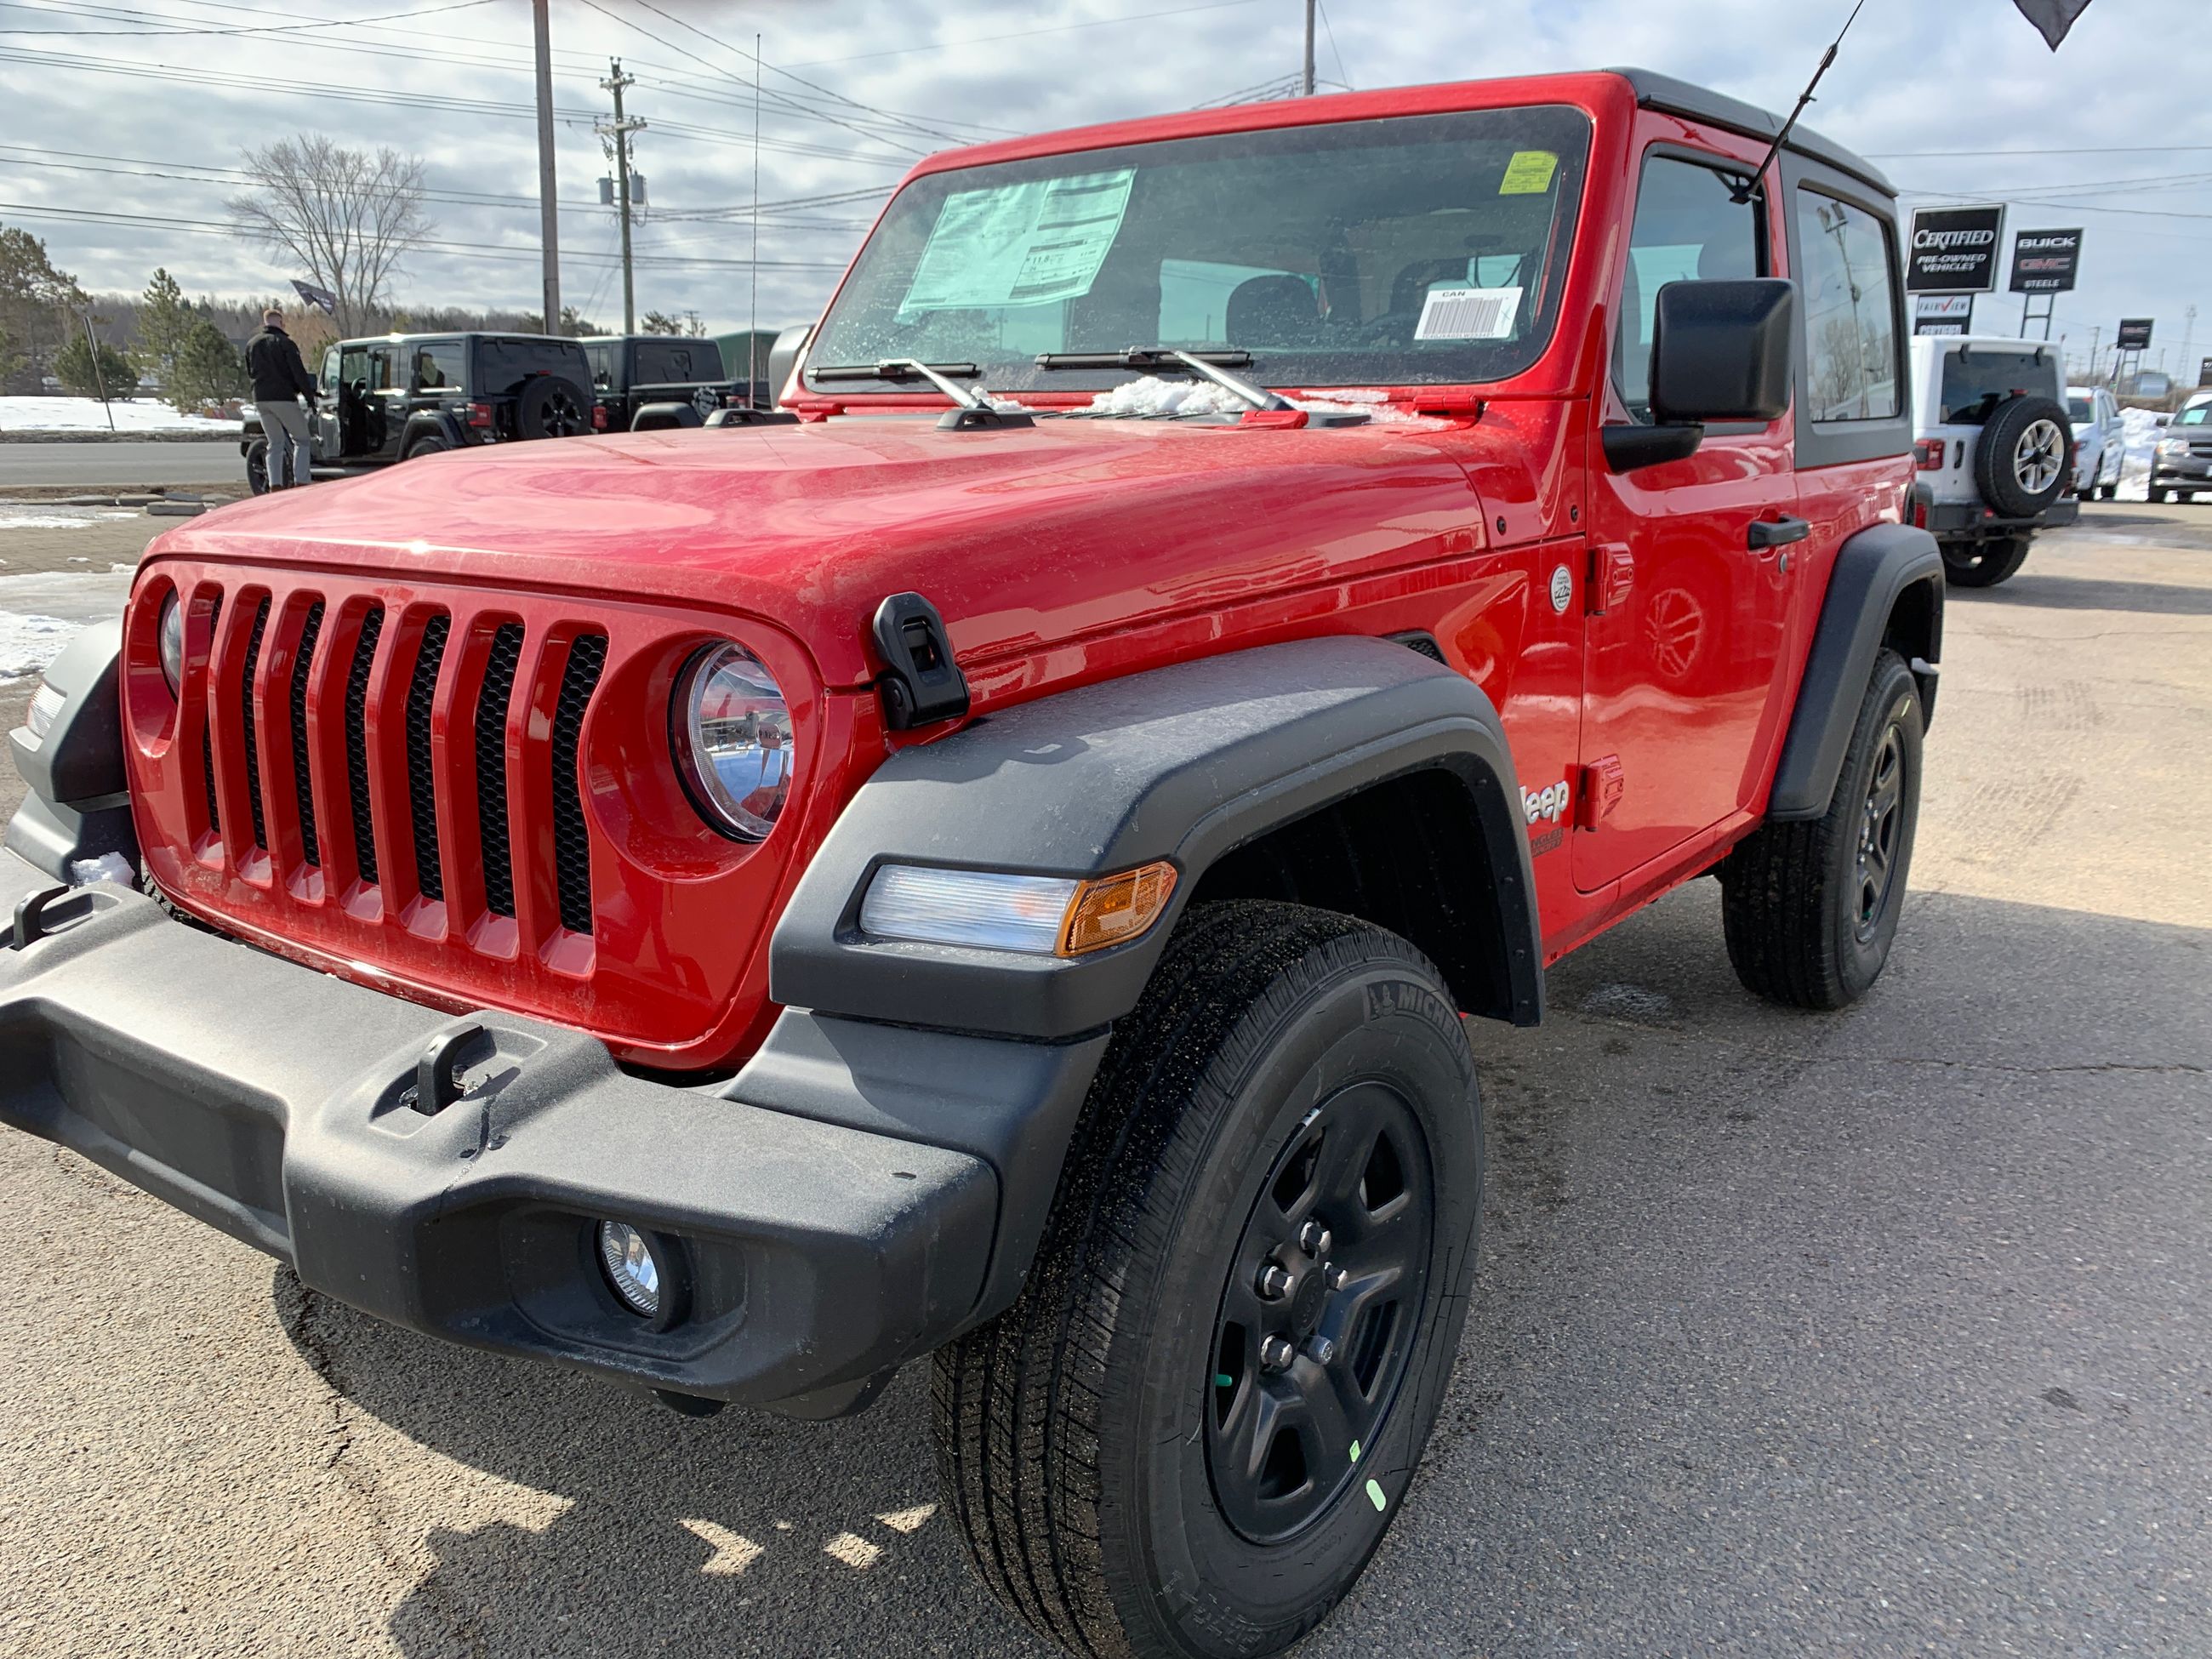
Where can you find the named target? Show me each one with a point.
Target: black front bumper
(270, 1101)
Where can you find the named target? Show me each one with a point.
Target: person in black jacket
(280, 380)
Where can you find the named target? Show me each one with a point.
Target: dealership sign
(2135, 333)
(1942, 313)
(2045, 261)
(1954, 251)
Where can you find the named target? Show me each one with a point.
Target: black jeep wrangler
(397, 396)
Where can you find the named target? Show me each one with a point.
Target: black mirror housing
(1721, 350)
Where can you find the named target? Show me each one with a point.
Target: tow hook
(921, 684)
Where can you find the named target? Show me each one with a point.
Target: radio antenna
(1744, 192)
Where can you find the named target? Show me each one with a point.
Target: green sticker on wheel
(1225, 1381)
(1355, 1451)
(1375, 1495)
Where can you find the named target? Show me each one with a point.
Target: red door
(1684, 647)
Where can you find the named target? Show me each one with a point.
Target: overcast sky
(122, 115)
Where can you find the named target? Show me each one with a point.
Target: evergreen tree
(37, 303)
(111, 372)
(208, 368)
(164, 321)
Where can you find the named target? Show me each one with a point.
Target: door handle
(1776, 532)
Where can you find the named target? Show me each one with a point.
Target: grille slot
(207, 735)
(245, 700)
(422, 786)
(303, 790)
(571, 845)
(356, 742)
(500, 666)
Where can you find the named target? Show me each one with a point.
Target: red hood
(1023, 537)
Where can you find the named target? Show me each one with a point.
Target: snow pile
(108, 867)
(89, 415)
(2143, 432)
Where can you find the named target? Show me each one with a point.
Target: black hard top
(1663, 92)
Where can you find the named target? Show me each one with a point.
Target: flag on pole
(2053, 17)
(326, 301)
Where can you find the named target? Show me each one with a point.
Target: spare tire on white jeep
(2024, 457)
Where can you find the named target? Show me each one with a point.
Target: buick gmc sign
(2045, 261)
(1954, 251)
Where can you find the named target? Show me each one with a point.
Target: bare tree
(346, 217)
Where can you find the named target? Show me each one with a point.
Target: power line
(1023, 34)
(251, 28)
(1333, 53)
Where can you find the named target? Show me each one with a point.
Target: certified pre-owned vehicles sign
(2045, 261)
(1955, 250)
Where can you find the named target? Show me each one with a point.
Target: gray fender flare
(659, 417)
(1182, 763)
(433, 422)
(992, 1053)
(1874, 571)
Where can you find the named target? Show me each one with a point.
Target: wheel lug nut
(1276, 1353)
(1335, 1276)
(1313, 1239)
(1320, 1350)
(1274, 1283)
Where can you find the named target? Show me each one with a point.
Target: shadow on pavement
(2034, 591)
(1794, 1334)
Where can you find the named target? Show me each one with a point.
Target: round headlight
(172, 642)
(731, 729)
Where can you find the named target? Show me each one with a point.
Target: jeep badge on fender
(991, 872)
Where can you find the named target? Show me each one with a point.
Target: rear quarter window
(1976, 379)
(503, 365)
(677, 360)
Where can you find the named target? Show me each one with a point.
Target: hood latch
(921, 684)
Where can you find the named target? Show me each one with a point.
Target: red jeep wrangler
(994, 867)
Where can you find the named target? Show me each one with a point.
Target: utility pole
(619, 130)
(2096, 358)
(1307, 84)
(549, 210)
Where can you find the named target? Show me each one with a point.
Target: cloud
(97, 118)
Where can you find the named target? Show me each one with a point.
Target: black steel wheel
(551, 406)
(1282, 1146)
(1318, 1320)
(256, 466)
(1810, 910)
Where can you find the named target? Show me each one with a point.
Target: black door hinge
(921, 683)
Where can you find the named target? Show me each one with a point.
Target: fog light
(633, 1271)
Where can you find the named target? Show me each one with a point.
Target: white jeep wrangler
(1994, 448)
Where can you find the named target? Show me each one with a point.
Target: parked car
(2101, 442)
(1407, 533)
(1993, 444)
(2181, 462)
(643, 381)
(395, 396)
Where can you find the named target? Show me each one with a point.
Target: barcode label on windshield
(1468, 313)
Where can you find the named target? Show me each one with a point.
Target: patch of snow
(58, 518)
(1155, 394)
(108, 867)
(28, 643)
(26, 414)
(41, 612)
(1638, 1004)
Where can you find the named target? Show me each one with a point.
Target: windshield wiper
(970, 408)
(1166, 360)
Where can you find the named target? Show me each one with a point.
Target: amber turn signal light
(1110, 909)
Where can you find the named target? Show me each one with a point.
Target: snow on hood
(1154, 394)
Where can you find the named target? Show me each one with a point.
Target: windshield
(1418, 249)
(2080, 411)
(2196, 416)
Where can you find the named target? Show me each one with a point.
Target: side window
(601, 358)
(1687, 227)
(1850, 330)
(438, 366)
(381, 377)
(330, 370)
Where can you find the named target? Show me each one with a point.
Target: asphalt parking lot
(1871, 1333)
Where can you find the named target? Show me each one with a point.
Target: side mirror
(1720, 351)
(781, 356)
